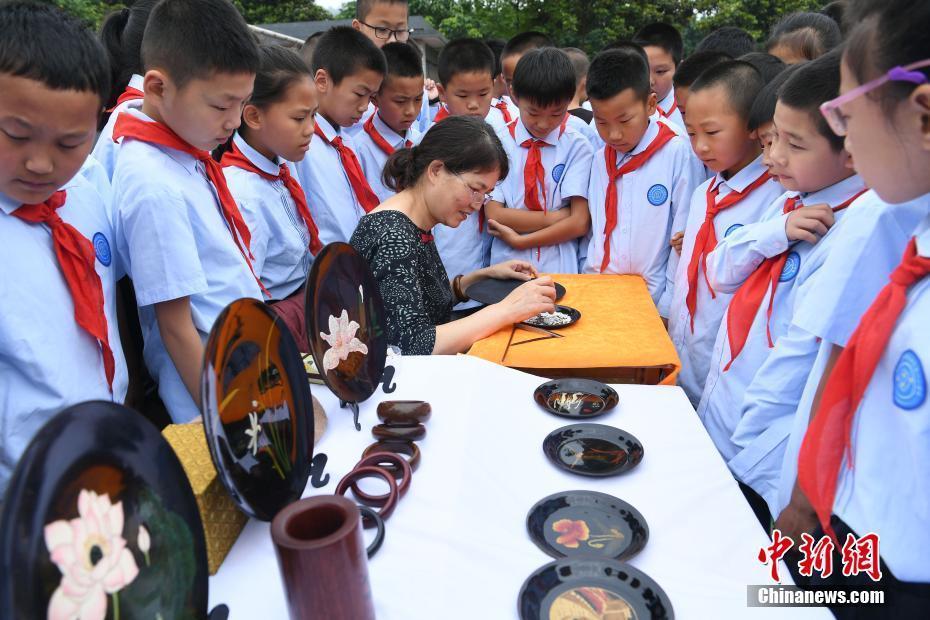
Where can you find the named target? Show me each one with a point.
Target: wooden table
(620, 337)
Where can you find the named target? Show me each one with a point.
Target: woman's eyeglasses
(384, 33)
(831, 109)
(477, 198)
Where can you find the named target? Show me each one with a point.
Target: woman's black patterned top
(413, 282)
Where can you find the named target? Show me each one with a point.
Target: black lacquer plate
(490, 291)
(575, 523)
(576, 398)
(593, 449)
(346, 322)
(592, 588)
(572, 313)
(257, 410)
(99, 516)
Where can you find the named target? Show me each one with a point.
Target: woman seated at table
(441, 181)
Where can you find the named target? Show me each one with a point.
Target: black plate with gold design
(99, 520)
(346, 323)
(573, 523)
(257, 410)
(491, 291)
(593, 449)
(576, 398)
(592, 588)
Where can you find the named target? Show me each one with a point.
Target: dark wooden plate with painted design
(576, 398)
(593, 449)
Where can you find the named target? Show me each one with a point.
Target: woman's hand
(511, 270)
(528, 299)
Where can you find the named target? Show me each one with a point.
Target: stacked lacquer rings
(385, 459)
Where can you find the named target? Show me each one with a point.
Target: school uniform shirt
(888, 489)
(280, 239)
(174, 241)
(332, 202)
(47, 360)
(423, 121)
(97, 176)
(735, 258)
(668, 109)
(653, 203)
(373, 157)
(566, 163)
(105, 149)
(874, 235)
(695, 346)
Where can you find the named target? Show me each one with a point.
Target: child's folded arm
(575, 225)
(738, 255)
(521, 220)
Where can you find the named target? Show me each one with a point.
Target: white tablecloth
(457, 546)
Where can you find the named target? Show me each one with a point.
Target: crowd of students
(766, 198)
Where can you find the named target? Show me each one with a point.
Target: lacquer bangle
(366, 472)
(400, 447)
(457, 288)
(384, 460)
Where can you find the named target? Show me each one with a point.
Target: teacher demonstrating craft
(440, 182)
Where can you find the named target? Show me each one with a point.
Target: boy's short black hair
(193, 39)
(696, 64)
(613, 71)
(664, 36)
(403, 60)
(497, 47)
(763, 107)
(42, 43)
(465, 55)
(544, 77)
(363, 7)
(730, 40)
(580, 61)
(344, 51)
(526, 41)
(767, 65)
(627, 45)
(739, 80)
(812, 84)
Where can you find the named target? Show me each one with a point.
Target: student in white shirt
(641, 180)
(766, 263)
(539, 211)
(717, 121)
(121, 34)
(872, 402)
(179, 232)
(347, 70)
(466, 82)
(59, 338)
(391, 127)
(277, 125)
(664, 47)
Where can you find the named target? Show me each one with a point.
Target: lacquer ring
(367, 472)
(399, 447)
(384, 460)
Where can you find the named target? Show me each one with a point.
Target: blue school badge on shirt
(791, 268)
(731, 229)
(910, 383)
(557, 172)
(657, 195)
(102, 249)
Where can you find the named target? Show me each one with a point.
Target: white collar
(392, 137)
(260, 161)
(742, 179)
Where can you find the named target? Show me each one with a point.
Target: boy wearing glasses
(347, 70)
(383, 22)
(540, 210)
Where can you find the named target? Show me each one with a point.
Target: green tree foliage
(590, 24)
(254, 11)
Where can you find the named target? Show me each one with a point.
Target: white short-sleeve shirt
(695, 347)
(105, 149)
(280, 239)
(330, 197)
(667, 104)
(888, 489)
(735, 258)
(567, 164)
(373, 157)
(860, 252)
(653, 203)
(175, 243)
(48, 361)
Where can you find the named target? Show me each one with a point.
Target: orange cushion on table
(619, 328)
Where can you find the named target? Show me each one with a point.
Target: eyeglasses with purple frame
(831, 109)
